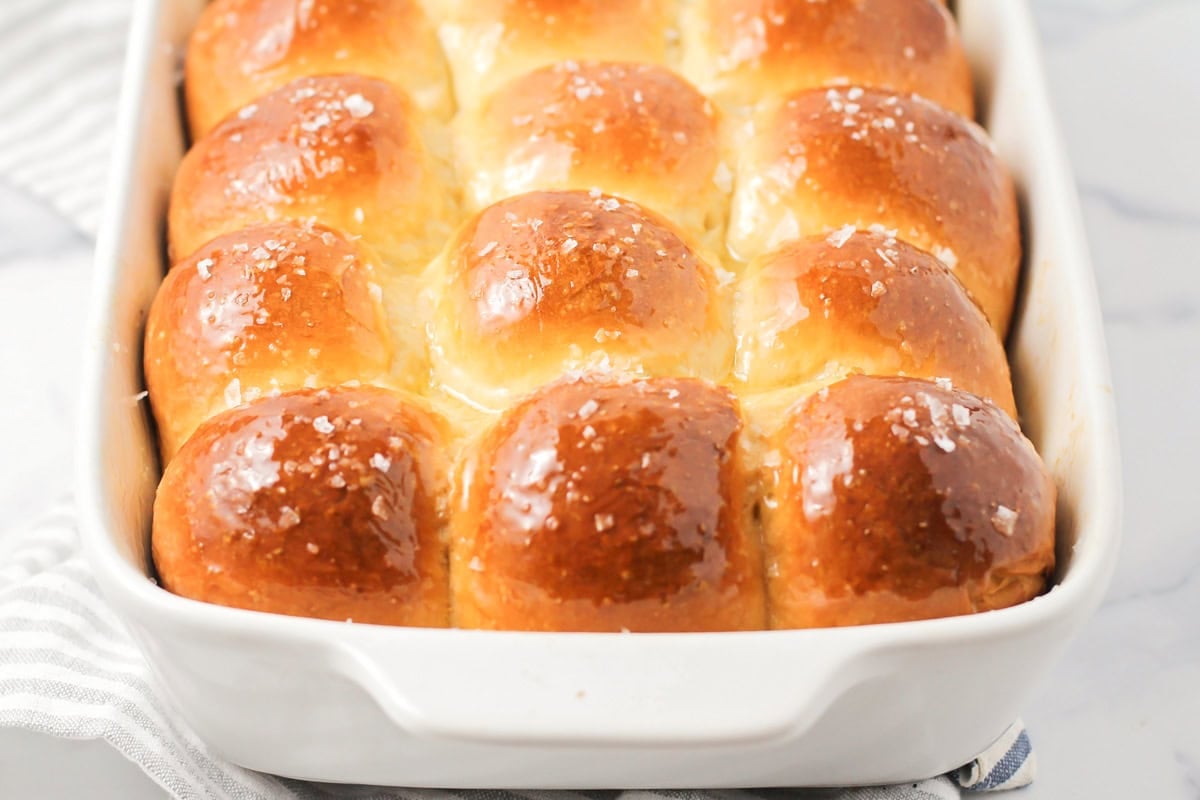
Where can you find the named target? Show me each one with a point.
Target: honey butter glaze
(323, 503)
(740, 50)
(243, 49)
(344, 150)
(609, 506)
(269, 308)
(824, 158)
(896, 499)
(488, 42)
(634, 130)
(547, 282)
(822, 307)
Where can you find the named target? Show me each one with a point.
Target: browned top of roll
(342, 149)
(635, 130)
(322, 503)
(863, 301)
(273, 307)
(896, 499)
(832, 157)
(242, 49)
(549, 281)
(597, 506)
(490, 41)
(755, 49)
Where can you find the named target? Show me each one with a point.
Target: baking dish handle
(604, 689)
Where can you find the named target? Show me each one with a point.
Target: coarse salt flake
(588, 408)
(840, 236)
(1004, 520)
(358, 106)
(962, 415)
(379, 507)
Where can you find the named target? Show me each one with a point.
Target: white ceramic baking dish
(359, 703)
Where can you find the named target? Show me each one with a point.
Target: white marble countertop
(1120, 716)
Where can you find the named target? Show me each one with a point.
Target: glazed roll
(896, 499)
(551, 282)
(823, 307)
(489, 42)
(634, 130)
(324, 503)
(271, 308)
(828, 158)
(241, 50)
(346, 151)
(746, 51)
(600, 506)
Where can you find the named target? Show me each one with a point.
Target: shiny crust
(744, 51)
(318, 503)
(894, 499)
(634, 130)
(270, 308)
(605, 507)
(488, 42)
(547, 282)
(857, 301)
(835, 157)
(242, 49)
(342, 149)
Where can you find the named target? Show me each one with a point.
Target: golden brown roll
(896, 499)
(833, 157)
(270, 308)
(243, 49)
(634, 130)
(322, 503)
(609, 506)
(550, 282)
(744, 51)
(490, 41)
(344, 150)
(856, 301)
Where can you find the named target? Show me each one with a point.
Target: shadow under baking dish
(368, 704)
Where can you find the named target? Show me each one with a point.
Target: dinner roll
(822, 307)
(274, 307)
(600, 506)
(634, 130)
(322, 503)
(834, 157)
(344, 150)
(744, 51)
(549, 282)
(242, 49)
(488, 42)
(896, 499)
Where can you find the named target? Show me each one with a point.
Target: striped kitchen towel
(67, 666)
(68, 669)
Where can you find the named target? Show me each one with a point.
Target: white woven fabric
(67, 667)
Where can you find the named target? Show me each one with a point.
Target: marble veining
(1120, 716)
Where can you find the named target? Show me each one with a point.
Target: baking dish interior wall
(133, 237)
